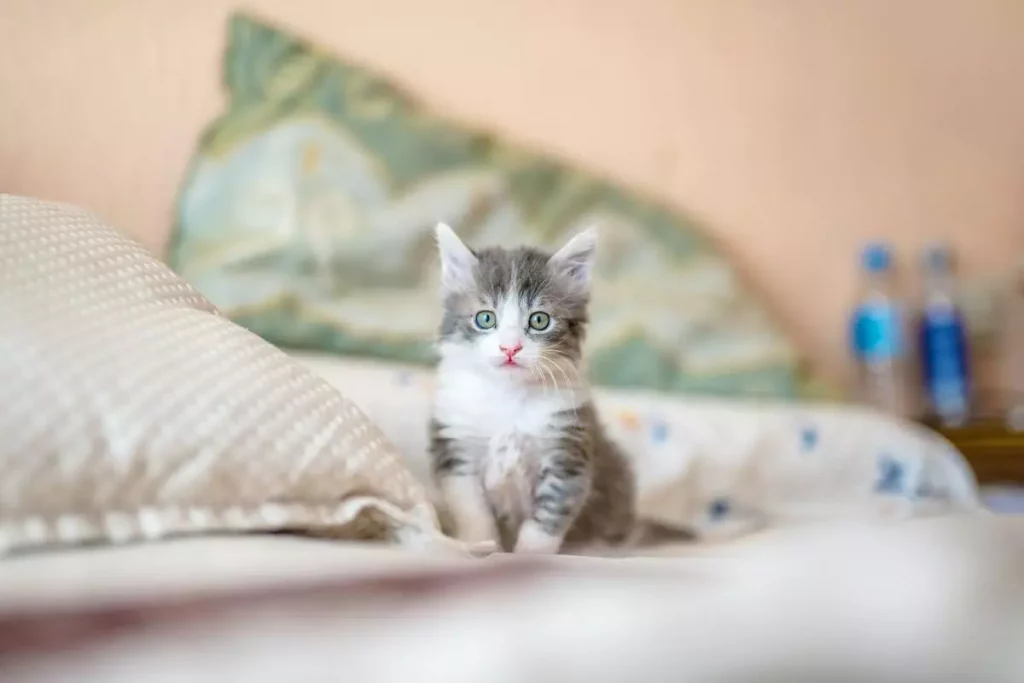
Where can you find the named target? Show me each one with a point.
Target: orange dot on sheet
(629, 419)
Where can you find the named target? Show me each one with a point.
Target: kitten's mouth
(510, 363)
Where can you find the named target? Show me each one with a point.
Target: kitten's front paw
(484, 549)
(534, 540)
(478, 533)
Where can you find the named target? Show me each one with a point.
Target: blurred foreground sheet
(928, 599)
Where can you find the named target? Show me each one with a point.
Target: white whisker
(568, 385)
(554, 383)
(571, 365)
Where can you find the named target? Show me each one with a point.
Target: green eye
(539, 321)
(485, 320)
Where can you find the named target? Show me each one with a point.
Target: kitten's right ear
(457, 261)
(576, 258)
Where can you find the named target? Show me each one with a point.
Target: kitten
(517, 450)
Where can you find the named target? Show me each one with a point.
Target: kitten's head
(519, 312)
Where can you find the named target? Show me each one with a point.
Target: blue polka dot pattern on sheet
(808, 438)
(925, 489)
(718, 508)
(891, 473)
(659, 431)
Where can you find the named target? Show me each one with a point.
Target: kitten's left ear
(576, 258)
(457, 260)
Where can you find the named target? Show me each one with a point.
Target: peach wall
(795, 128)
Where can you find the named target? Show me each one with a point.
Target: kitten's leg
(468, 507)
(456, 478)
(561, 490)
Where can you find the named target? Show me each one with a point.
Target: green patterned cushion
(308, 211)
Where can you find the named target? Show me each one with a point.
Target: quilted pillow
(308, 211)
(130, 409)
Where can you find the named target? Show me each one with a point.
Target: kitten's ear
(457, 261)
(576, 258)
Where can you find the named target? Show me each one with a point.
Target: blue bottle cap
(876, 257)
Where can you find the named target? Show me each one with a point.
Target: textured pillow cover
(129, 408)
(307, 217)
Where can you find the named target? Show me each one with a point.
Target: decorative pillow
(307, 216)
(131, 409)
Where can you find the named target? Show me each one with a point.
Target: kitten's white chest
(483, 409)
(507, 427)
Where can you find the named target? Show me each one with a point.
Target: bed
(182, 501)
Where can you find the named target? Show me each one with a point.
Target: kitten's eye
(539, 321)
(485, 320)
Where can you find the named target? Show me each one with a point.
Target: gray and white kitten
(518, 452)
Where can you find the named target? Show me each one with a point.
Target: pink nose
(511, 351)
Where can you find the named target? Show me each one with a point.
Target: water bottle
(878, 336)
(945, 363)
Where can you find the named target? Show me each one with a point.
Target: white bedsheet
(723, 467)
(921, 600)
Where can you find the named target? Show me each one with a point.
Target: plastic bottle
(878, 336)
(942, 336)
